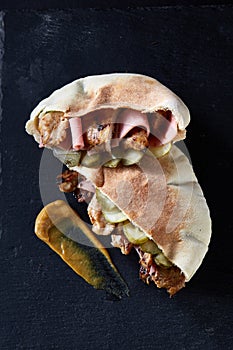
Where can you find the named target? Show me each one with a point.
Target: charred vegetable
(90, 260)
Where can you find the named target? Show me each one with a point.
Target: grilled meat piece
(97, 135)
(53, 128)
(170, 278)
(98, 128)
(120, 241)
(100, 225)
(69, 181)
(137, 140)
(72, 181)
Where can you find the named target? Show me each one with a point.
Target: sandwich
(118, 131)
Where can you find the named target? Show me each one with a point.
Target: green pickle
(106, 204)
(114, 216)
(117, 152)
(113, 163)
(72, 159)
(161, 260)
(150, 247)
(111, 213)
(134, 234)
(93, 160)
(69, 158)
(160, 151)
(132, 156)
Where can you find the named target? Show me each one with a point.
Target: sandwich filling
(107, 219)
(102, 137)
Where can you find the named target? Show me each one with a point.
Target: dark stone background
(44, 305)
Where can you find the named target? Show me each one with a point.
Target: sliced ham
(97, 118)
(129, 119)
(171, 131)
(77, 133)
(115, 142)
(163, 128)
(160, 128)
(88, 120)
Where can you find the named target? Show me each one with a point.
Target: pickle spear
(90, 261)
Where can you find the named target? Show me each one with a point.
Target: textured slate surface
(44, 305)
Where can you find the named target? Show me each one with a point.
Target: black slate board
(44, 305)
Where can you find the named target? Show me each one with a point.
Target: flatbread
(118, 90)
(164, 199)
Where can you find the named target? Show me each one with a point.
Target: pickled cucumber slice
(106, 204)
(113, 163)
(132, 156)
(117, 152)
(161, 260)
(160, 151)
(134, 234)
(69, 158)
(114, 216)
(150, 247)
(91, 161)
(111, 213)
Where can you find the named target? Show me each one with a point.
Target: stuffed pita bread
(117, 130)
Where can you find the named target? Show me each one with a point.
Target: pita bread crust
(181, 226)
(118, 90)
